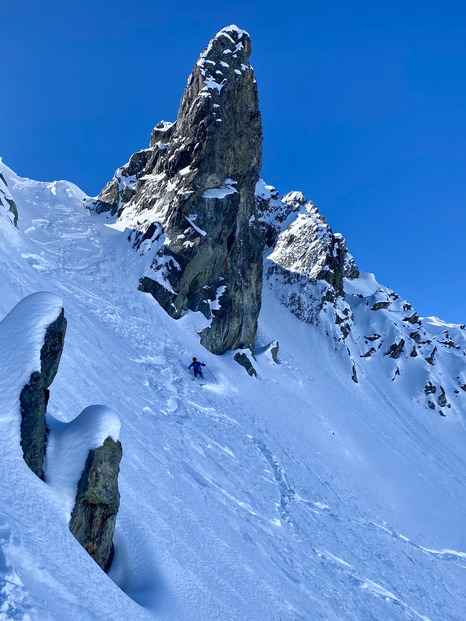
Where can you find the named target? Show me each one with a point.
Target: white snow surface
(296, 495)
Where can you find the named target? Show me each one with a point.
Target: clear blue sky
(363, 105)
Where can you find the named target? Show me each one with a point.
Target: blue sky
(363, 107)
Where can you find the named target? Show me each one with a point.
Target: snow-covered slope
(297, 495)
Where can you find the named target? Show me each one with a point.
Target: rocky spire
(191, 198)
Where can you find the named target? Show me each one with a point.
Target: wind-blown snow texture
(297, 495)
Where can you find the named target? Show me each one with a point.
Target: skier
(196, 367)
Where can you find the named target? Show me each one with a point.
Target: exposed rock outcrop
(83, 454)
(442, 399)
(244, 361)
(307, 268)
(34, 397)
(380, 305)
(121, 188)
(196, 209)
(97, 502)
(395, 349)
(274, 347)
(6, 200)
(431, 358)
(189, 198)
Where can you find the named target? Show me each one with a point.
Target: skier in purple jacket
(196, 367)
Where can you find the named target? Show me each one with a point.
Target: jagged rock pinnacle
(192, 197)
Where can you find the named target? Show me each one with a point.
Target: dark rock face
(431, 359)
(192, 198)
(394, 351)
(52, 349)
(34, 397)
(33, 403)
(120, 189)
(380, 306)
(6, 200)
(244, 361)
(414, 318)
(442, 399)
(97, 502)
(430, 389)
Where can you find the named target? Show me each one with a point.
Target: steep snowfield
(296, 495)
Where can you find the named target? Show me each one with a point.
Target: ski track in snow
(276, 498)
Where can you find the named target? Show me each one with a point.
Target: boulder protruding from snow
(35, 394)
(244, 361)
(82, 465)
(97, 502)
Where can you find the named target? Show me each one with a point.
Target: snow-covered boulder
(83, 463)
(32, 337)
(97, 502)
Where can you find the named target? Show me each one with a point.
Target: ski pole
(211, 372)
